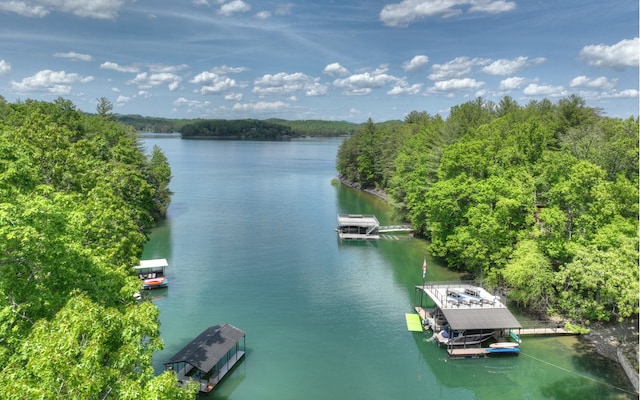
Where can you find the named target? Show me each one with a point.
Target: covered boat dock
(358, 227)
(209, 357)
(153, 273)
(463, 316)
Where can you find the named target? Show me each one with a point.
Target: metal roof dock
(466, 306)
(209, 357)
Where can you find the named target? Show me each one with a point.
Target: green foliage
(244, 129)
(77, 199)
(542, 199)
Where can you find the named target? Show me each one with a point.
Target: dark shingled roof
(479, 318)
(209, 347)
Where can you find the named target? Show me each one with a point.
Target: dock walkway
(543, 331)
(395, 228)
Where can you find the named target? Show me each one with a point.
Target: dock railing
(441, 295)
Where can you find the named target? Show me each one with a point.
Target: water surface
(250, 241)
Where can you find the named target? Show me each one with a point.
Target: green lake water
(250, 241)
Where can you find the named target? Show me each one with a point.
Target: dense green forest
(242, 129)
(540, 199)
(78, 196)
(247, 128)
(272, 129)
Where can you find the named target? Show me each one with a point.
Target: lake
(250, 239)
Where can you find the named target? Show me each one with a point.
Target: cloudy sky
(332, 59)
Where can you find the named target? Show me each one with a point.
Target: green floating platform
(413, 322)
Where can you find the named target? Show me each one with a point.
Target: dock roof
(357, 220)
(474, 308)
(158, 262)
(479, 318)
(209, 347)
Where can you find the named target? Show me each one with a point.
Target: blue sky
(332, 60)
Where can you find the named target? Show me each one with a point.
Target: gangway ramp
(395, 228)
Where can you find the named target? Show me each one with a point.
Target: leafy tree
(77, 199)
(530, 276)
(88, 351)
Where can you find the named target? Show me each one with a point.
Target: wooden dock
(473, 352)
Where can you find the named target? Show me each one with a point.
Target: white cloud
(233, 96)
(200, 2)
(5, 67)
(510, 67)
(214, 83)
(74, 56)
(24, 8)
(98, 9)
(456, 84)
(601, 82)
(403, 88)
(623, 54)
(624, 94)
(288, 84)
(260, 106)
(228, 70)
(533, 89)
(119, 68)
(492, 7)
(335, 69)
(147, 80)
(456, 68)
(263, 14)
(407, 11)
(57, 82)
(511, 83)
(364, 83)
(182, 102)
(161, 68)
(416, 63)
(233, 7)
(122, 100)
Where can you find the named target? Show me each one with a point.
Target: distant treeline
(153, 124)
(271, 129)
(247, 129)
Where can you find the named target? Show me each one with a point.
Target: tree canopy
(78, 197)
(541, 199)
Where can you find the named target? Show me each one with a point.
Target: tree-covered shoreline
(539, 199)
(78, 197)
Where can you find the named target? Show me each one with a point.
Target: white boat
(463, 338)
